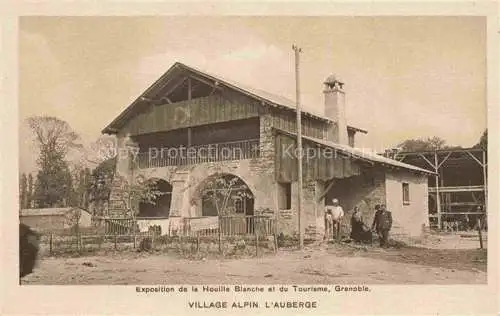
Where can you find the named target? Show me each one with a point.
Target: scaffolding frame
(438, 161)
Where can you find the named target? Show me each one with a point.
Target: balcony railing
(178, 156)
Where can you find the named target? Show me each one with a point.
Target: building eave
(271, 100)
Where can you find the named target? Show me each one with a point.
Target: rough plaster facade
(408, 219)
(54, 222)
(45, 223)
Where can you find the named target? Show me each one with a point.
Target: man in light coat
(333, 215)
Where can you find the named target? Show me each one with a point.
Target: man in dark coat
(28, 249)
(359, 231)
(382, 223)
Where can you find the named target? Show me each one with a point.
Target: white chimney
(335, 110)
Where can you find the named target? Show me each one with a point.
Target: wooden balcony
(179, 156)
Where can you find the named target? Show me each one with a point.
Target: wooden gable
(199, 105)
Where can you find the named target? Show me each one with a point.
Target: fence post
(153, 241)
(116, 241)
(275, 235)
(167, 239)
(50, 243)
(135, 240)
(254, 219)
(220, 234)
(480, 233)
(181, 243)
(198, 242)
(79, 242)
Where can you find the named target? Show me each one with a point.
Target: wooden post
(438, 195)
(479, 232)
(220, 235)
(299, 145)
(80, 242)
(276, 233)
(135, 240)
(167, 239)
(198, 242)
(485, 182)
(50, 243)
(116, 241)
(189, 88)
(153, 241)
(256, 237)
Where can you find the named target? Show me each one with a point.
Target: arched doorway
(229, 197)
(160, 208)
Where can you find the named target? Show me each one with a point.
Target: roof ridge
(263, 95)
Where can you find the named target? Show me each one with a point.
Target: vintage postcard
(258, 158)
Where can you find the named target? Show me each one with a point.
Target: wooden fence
(123, 234)
(230, 226)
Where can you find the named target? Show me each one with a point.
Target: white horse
(333, 217)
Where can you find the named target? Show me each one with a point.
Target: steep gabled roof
(264, 97)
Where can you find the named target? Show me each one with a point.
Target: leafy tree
(141, 192)
(87, 176)
(98, 184)
(54, 185)
(23, 191)
(82, 188)
(29, 192)
(428, 144)
(483, 141)
(54, 138)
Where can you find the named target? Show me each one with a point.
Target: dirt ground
(318, 264)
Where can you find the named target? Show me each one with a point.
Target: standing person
(356, 225)
(382, 223)
(333, 213)
(29, 244)
(359, 231)
(328, 224)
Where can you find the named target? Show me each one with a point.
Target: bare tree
(102, 149)
(72, 219)
(53, 134)
(23, 191)
(221, 188)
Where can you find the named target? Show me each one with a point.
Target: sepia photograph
(246, 158)
(254, 163)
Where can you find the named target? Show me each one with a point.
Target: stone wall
(187, 183)
(311, 212)
(364, 191)
(381, 186)
(257, 173)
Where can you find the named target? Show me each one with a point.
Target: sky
(405, 77)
